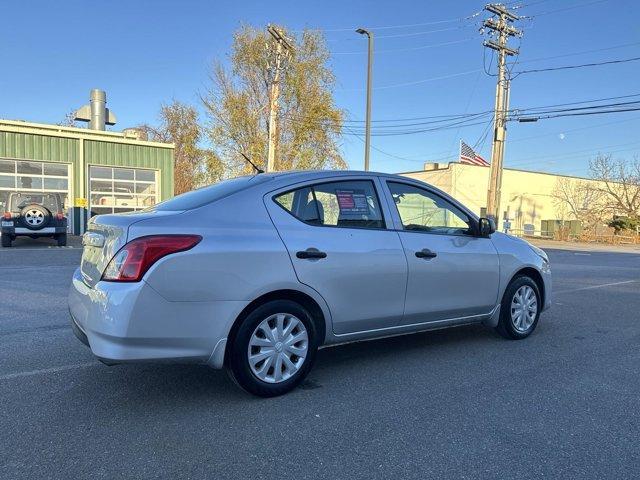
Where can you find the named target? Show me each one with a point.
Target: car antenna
(258, 170)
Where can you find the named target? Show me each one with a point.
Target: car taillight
(7, 216)
(60, 216)
(134, 259)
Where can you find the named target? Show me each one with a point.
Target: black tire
(62, 239)
(237, 361)
(6, 240)
(35, 208)
(506, 325)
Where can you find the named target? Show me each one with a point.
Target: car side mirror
(486, 226)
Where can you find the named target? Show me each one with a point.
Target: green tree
(237, 105)
(194, 166)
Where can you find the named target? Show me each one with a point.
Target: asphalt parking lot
(461, 403)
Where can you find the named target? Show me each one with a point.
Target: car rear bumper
(130, 322)
(17, 231)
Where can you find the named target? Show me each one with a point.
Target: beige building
(527, 197)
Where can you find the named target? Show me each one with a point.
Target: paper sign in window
(352, 202)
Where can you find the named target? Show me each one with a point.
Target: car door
(335, 231)
(453, 272)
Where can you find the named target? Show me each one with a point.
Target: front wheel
(273, 349)
(520, 309)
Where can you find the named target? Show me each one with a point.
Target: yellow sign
(81, 202)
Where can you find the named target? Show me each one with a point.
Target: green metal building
(96, 171)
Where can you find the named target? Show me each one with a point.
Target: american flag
(467, 155)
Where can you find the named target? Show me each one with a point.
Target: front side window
(421, 210)
(349, 204)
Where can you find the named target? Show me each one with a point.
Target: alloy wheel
(34, 217)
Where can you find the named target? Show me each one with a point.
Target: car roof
(304, 175)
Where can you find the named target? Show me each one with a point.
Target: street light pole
(367, 138)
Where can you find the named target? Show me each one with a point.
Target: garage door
(30, 176)
(115, 190)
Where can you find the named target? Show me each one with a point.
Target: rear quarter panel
(240, 256)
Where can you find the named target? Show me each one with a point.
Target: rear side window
(204, 195)
(349, 204)
(48, 200)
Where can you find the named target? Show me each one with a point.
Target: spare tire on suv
(35, 216)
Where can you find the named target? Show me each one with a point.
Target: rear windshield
(17, 201)
(204, 195)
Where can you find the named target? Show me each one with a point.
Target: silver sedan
(256, 273)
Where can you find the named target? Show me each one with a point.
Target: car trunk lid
(105, 235)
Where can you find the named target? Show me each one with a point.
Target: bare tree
(619, 180)
(581, 200)
(69, 120)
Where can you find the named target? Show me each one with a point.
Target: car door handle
(426, 253)
(311, 253)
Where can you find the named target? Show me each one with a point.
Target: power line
(589, 107)
(406, 25)
(462, 124)
(579, 114)
(619, 97)
(578, 152)
(395, 50)
(579, 5)
(415, 34)
(437, 121)
(403, 35)
(416, 82)
(583, 52)
(571, 130)
(379, 150)
(583, 65)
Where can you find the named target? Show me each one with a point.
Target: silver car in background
(255, 273)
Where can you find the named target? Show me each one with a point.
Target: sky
(428, 61)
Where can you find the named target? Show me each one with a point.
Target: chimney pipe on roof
(96, 113)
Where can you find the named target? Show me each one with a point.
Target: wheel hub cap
(278, 348)
(34, 217)
(524, 307)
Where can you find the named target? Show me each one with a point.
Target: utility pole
(367, 136)
(283, 48)
(500, 23)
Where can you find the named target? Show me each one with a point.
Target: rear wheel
(273, 349)
(520, 309)
(62, 239)
(6, 240)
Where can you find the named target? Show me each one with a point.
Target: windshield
(211, 193)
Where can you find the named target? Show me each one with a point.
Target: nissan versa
(255, 273)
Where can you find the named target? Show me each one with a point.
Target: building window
(32, 176)
(115, 190)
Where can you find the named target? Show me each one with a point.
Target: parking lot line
(41, 249)
(44, 371)
(591, 287)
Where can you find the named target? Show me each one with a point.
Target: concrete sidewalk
(582, 246)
